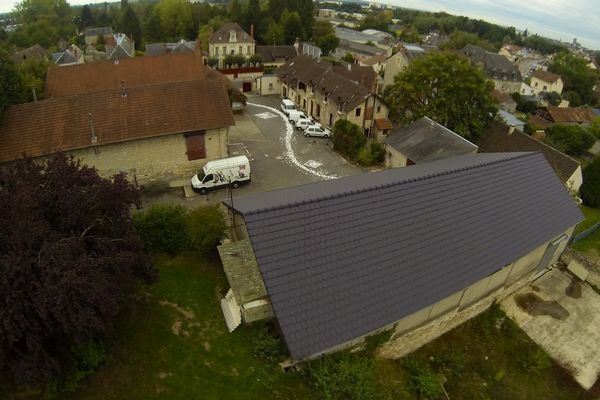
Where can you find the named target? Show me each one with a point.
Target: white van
(287, 105)
(220, 173)
(295, 115)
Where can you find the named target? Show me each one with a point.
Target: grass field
(590, 246)
(171, 343)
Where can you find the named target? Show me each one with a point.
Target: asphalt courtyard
(280, 156)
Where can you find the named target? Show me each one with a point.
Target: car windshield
(201, 174)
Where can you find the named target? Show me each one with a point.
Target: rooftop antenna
(123, 92)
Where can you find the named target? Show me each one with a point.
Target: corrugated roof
(137, 71)
(497, 139)
(383, 123)
(345, 257)
(426, 140)
(568, 114)
(63, 124)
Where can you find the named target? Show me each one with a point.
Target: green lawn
(171, 343)
(590, 246)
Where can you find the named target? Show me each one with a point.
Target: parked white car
(287, 105)
(303, 123)
(318, 131)
(295, 115)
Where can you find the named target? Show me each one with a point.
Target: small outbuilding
(423, 140)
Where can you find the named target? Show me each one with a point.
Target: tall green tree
(576, 74)
(33, 77)
(590, 189)
(274, 34)
(129, 24)
(252, 17)
(571, 139)
(328, 43)
(43, 22)
(306, 10)
(152, 26)
(292, 26)
(445, 88)
(320, 29)
(11, 86)
(87, 18)
(275, 8)
(235, 11)
(176, 18)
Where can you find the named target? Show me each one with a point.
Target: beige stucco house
(544, 81)
(327, 95)
(231, 39)
(497, 68)
(400, 60)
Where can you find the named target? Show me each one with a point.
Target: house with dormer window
(230, 40)
(497, 68)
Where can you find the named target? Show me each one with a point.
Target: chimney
(297, 45)
(252, 31)
(91, 125)
(123, 91)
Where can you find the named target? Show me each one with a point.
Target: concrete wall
(575, 181)
(153, 158)
(266, 85)
(466, 303)
(393, 158)
(394, 65)
(507, 86)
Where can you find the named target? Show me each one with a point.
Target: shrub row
(172, 228)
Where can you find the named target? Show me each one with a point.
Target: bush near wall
(349, 140)
(590, 189)
(172, 228)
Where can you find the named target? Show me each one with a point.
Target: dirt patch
(176, 327)
(187, 313)
(534, 305)
(574, 289)
(206, 346)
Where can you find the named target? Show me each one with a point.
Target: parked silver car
(317, 131)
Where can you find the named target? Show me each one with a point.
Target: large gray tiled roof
(343, 258)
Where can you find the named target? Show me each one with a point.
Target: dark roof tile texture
(496, 138)
(345, 257)
(426, 140)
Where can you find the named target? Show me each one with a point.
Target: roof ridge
(513, 156)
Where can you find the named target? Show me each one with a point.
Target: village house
(71, 55)
(120, 46)
(497, 68)
(181, 46)
(230, 40)
(395, 63)
(566, 115)
(500, 138)
(376, 62)
(393, 249)
(327, 95)
(422, 141)
(35, 52)
(92, 35)
(153, 117)
(544, 81)
(358, 51)
(276, 56)
(505, 101)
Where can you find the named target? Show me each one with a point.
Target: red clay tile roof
(383, 123)
(496, 139)
(568, 114)
(62, 123)
(539, 122)
(546, 76)
(137, 71)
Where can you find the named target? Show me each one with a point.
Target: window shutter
(196, 148)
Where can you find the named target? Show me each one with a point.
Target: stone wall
(154, 158)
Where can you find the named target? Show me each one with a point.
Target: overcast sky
(559, 19)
